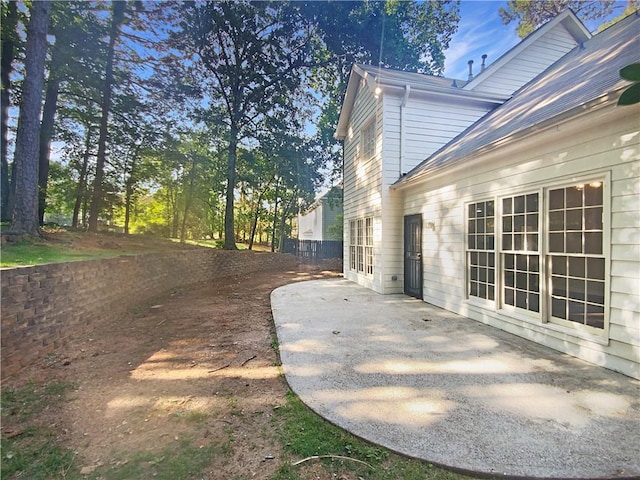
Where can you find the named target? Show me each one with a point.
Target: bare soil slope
(195, 368)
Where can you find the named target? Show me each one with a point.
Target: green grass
(33, 453)
(25, 402)
(183, 461)
(305, 434)
(35, 252)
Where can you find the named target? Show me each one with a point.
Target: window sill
(577, 333)
(534, 320)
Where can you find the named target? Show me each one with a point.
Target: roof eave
(347, 104)
(372, 82)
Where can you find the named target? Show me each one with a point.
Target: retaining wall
(43, 306)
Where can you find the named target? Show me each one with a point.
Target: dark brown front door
(413, 255)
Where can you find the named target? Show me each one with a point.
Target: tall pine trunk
(46, 133)
(117, 17)
(25, 212)
(6, 67)
(229, 230)
(82, 182)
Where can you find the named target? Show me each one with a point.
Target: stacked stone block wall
(45, 305)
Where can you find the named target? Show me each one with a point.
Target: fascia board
(348, 102)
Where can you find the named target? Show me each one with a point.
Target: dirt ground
(197, 365)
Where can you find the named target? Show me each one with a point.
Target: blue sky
(481, 31)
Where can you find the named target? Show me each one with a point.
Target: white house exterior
(315, 222)
(520, 206)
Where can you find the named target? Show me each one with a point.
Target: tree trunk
(117, 17)
(82, 181)
(129, 184)
(187, 200)
(275, 218)
(283, 221)
(172, 201)
(6, 67)
(25, 213)
(46, 133)
(254, 223)
(229, 230)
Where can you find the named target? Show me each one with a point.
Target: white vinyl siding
(602, 145)
(414, 132)
(362, 184)
(528, 63)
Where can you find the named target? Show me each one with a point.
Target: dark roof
(587, 73)
(384, 75)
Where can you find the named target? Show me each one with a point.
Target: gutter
(446, 92)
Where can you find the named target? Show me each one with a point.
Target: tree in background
(8, 23)
(249, 59)
(254, 75)
(118, 9)
(409, 36)
(532, 14)
(74, 60)
(25, 210)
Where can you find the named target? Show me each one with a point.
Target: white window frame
(604, 256)
(361, 245)
(544, 314)
(368, 139)
(352, 244)
(485, 258)
(522, 246)
(368, 245)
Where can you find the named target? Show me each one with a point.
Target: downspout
(407, 90)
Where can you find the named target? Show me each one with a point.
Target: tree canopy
(197, 119)
(531, 14)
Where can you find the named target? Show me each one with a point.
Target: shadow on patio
(433, 385)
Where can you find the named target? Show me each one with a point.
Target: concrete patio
(432, 385)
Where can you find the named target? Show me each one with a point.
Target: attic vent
(470, 63)
(483, 66)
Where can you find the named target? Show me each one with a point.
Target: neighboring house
(315, 222)
(512, 198)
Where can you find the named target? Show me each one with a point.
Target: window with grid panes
(360, 245)
(368, 245)
(368, 138)
(481, 250)
(575, 254)
(352, 244)
(520, 251)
